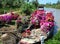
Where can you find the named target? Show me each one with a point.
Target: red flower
(28, 31)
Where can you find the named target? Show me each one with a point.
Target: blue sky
(47, 1)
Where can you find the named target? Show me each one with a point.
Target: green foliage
(11, 3)
(24, 5)
(58, 2)
(6, 9)
(53, 6)
(52, 42)
(27, 8)
(58, 6)
(35, 2)
(1, 42)
(55, 39)
(57, 36)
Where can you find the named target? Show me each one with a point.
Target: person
(36, 17)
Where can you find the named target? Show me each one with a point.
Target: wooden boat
(35, 36)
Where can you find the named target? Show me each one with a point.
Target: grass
(55, 39)
(0, 42)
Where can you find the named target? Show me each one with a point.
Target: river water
(56, 13)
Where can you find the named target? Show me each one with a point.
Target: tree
(35, 2)
(58, 2)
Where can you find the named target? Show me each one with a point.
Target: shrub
(27, 8)
(7, 18)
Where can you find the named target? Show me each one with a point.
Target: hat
(40, 7)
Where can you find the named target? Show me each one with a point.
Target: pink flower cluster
(8, 17)
(46, 26)
(46, 20)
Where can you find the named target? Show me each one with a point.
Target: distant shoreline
(56, 6)
(52, 7)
